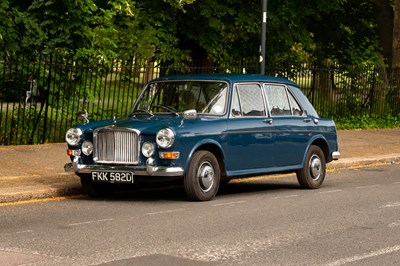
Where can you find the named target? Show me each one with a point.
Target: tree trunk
(396, 37)
(384, 19)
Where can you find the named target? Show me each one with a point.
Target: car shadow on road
(175, 192)
(255, 187)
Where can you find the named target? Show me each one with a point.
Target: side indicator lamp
(173, 155)
(73, 152)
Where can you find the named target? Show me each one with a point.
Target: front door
(249, 135)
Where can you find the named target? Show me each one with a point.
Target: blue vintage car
(205, 130)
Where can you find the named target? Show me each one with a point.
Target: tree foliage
(220, 31)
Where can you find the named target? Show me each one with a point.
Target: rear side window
(248, 101)
(281, 102)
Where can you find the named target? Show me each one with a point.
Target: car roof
(232, 78)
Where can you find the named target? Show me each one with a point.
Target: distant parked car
(204, 130)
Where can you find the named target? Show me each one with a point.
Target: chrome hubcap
(206, 175)
(315, 167)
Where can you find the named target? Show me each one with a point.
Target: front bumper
(149, 170)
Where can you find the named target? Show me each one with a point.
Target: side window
(281, 102)
(248, 101)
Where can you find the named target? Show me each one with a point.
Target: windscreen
(206, 97)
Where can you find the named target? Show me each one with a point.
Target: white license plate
(112, 177)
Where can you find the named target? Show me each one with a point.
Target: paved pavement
(37, 171)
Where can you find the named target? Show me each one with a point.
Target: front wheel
(202, 178)
(312, 174)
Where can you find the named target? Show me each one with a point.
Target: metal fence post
(371, 105)
(47, 100)
(44, 104)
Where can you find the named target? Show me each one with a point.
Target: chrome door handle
(268, 121)
(308, 120)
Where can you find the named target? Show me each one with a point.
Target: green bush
(367, 122)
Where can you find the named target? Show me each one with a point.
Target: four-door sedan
(205, 130)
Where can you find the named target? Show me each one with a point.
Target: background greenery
(222, 31)
(93, 53)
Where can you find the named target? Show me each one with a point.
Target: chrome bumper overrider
(336, 155)
(149, 170)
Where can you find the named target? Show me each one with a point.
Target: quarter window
(296, 109)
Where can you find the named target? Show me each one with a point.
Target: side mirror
(82, 117)
(190, 114)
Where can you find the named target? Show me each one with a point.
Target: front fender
(209, 145)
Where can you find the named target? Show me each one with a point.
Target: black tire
(312, 175)
(203, 176)
(93, 189)
(224, 181)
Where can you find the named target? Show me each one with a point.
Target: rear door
(292, 127)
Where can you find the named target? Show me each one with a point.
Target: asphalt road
(354, 219)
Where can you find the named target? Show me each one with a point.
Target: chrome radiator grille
(116, 146)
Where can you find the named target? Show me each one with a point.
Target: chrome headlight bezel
(73, 136)
(148, 149)
(87, 147)
(165, 138)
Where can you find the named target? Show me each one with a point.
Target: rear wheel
(93, 189)
(203, 176)
(312, 174)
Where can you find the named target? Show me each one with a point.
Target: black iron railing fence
(40, 96)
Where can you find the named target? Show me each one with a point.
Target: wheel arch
(213, 147)
(323, 144)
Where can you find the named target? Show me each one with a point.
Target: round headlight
(73, 136)
(147, 149)
(165, 138)
(87, 147)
